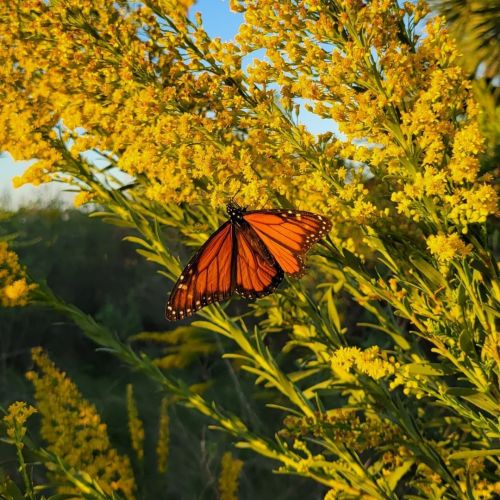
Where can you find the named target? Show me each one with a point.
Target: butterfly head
(234, 210)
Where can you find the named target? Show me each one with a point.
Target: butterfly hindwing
(207, 278)
(288, 234)
(256, 271)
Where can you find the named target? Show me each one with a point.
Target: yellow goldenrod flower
(130, 107)
(342, 425)
(15, 428)
(135, 425)
(371, 361)
(15, 420)
(447, 247)
(228, 478)
(14, 289)
(74, 431)
(82, 198)
(175, 5)
(162, 446)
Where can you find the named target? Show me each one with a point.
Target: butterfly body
(248, 255)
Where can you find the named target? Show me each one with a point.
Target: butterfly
(248, 255)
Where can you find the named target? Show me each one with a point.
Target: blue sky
(219, 21)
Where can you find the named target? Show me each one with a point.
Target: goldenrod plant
(14, 287)
(163, 439)
(14, 427)
(135, 425)
(74, 432)
(67, 479)
(228, 479)
(386, 380)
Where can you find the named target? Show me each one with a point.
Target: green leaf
(483, 402)
(61, 496)
(395, 476)
(467, 342)
(462, 295)
(461, 391)
(430, 369)
(332, 312)
(9, 489)
(151, 257)
(461, 455)
(431, 273)
(210, 327)
(240, 357)
(285, 409)
(492, 310)
(118, 222)
(476, 398)
(300, 375)
(311, 391)
(139, 241)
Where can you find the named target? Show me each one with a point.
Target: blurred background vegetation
(86, 263)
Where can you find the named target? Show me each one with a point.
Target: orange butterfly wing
(207, 278)
(233, 259)
(288, 235)
(256, 271)
(248, 256)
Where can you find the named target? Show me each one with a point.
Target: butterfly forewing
(256, 271)
(207, 278)
(288, 234)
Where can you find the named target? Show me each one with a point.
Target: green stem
(22, 468)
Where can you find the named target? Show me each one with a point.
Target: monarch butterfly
(248, 255)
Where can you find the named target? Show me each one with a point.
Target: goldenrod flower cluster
(411, 384)
(162, 446)
(150, 92)
(448, 247)
(135, 425)
(405, 106)
(14, 423)
(182, 346)
(372, 361)
(342, 426)
(74, 431)
(14, 287)
(82, 198)
(15, 420)
(229, 477)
